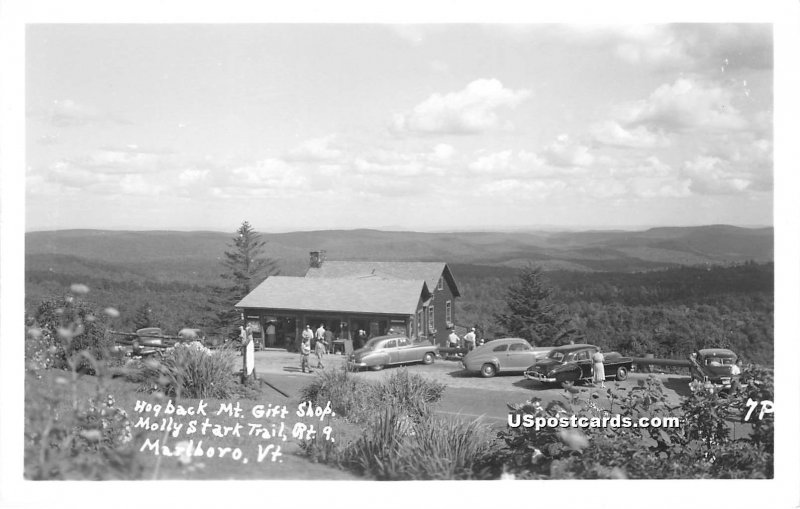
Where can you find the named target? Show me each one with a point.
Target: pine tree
(532, 314)
(245, 268)
(144, 317)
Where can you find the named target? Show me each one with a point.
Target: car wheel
(488, 370)
(428, 358)
(622, 373)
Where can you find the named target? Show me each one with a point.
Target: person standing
(305, 351)
(248, 355)
(453, 339)
(599, 369)
(320, 349)
(469, 340)
(320, 334)
(308, 334)
(329, 341)
(270, 336)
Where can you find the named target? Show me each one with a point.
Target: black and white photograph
(346, 248)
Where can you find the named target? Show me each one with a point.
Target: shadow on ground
(679, 384)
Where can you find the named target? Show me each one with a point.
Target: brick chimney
(317, 258)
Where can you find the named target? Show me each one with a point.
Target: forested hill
(663, 291)
(194, 256)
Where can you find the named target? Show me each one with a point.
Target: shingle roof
(370, 295)
(430, 272)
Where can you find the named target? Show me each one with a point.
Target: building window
(420, 325)
(430, 319)
(448, 312)
(441, 283)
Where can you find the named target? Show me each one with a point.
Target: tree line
(667, 312)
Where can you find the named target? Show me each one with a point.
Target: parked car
(507, 355)
(572, 363)
(715, 365)
(383, 351)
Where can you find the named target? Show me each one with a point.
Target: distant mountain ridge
(195, 256)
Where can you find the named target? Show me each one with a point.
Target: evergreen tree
(144, 317)
(531, 313)
(245, 268)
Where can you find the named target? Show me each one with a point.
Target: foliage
(354, 398)
(700, 448)
(144, 317)
(401, 438)
(67, 329)
(66, 436)
(532, 314)
(188, 370)
(245, 267)
(668, 313)
(394, 447)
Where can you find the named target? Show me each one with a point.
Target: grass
(293, 466)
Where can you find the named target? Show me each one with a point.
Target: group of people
(468, 342)
(318, 341)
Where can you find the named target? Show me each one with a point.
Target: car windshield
(727, 361)
(556, 356)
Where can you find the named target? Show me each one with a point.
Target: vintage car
(383, 351)
(573, 363)
(507, 355)
(715, 365)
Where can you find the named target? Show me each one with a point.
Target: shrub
(701, 448)
(67, 329)
(189, 370)
(356, 399)
(394, 447)
(350, 396)
(89, 439)
(410, 394)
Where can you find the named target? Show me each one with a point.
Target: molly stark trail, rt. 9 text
(229, 421)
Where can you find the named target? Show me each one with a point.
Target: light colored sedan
(507, 355)
(388, 350)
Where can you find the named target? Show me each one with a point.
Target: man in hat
(469, 340)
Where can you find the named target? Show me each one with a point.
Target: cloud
(469, 111)
(121, 160)
(611, 133)
(394, 164)
(723, 47)
(69, 113)
(685, 105)
(317, 149)
(268, 173)
(192, 176)
(713, 175)
(563, 152)
(508, 164)
(522, 190)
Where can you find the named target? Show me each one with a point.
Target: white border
(781, 492)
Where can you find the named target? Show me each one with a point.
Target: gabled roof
(430, 272)
(371, 295)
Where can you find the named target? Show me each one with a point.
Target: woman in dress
(248, 355)
(598, 369)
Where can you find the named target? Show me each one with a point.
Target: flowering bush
(701, 448)
(65, 330)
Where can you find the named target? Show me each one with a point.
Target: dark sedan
(573, 363)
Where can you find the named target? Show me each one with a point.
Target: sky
(407, 127)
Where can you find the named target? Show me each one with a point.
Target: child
(305, 350)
